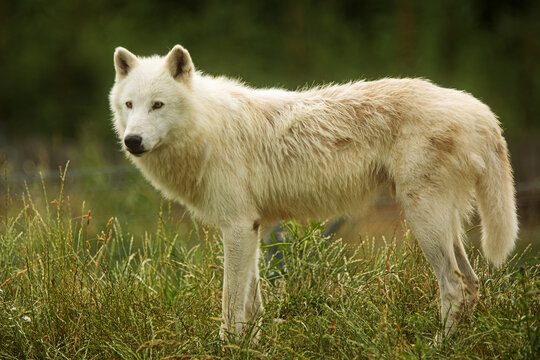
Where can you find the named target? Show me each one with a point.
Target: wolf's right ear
(178, 62)
(124, 62)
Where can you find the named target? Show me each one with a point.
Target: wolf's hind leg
(469, 277)
(435, 224)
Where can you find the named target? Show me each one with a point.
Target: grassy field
(81, 283)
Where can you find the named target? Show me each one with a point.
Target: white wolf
(243, 158)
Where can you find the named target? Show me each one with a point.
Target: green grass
(72, 290)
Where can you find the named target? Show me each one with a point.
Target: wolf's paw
(241, 332)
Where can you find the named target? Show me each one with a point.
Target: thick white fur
(243, 158)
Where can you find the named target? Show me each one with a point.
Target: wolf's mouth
(137, 152)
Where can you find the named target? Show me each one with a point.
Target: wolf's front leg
(240, 247)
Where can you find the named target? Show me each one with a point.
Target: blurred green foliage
(56, 55)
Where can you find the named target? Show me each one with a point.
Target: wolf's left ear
(179, 64)
(124, 62)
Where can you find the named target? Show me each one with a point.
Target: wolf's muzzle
(134, 144)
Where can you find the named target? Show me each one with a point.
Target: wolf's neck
(176, 171)
(224, 93)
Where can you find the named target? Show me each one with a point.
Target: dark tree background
(56, 55)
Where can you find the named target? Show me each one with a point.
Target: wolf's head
(149, 97)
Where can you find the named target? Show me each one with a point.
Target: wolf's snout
(134, 144)
(133, 141)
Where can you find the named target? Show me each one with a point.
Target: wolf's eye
(157, 105)
(129, 105)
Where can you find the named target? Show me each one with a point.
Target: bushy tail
(497, 204)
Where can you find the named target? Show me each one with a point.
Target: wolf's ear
(124, 62)
(178, 62)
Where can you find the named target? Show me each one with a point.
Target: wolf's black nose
(133, 142)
